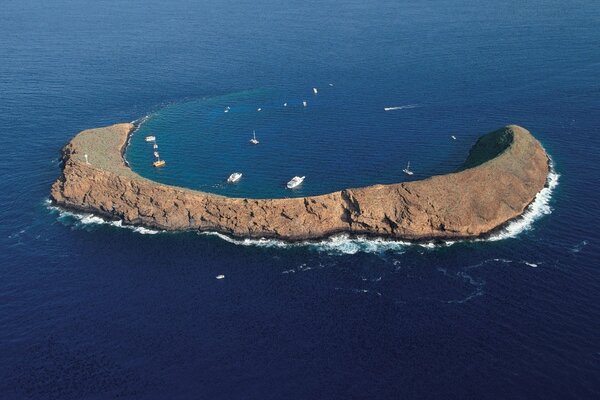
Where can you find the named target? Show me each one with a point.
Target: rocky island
(503, 173)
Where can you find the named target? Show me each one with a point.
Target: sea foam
(538, 208)
(344, 243)
(83, 220)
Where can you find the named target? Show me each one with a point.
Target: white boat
(220, 276)
(254, 140)
(304, 103)
(233, 178)
(407, 170)
(295, 182)
(285, 104)
(150, 138)
(331, 84)
(156, 154)
(259, 109)
(453, 137)
(315, 91)
(155, 146)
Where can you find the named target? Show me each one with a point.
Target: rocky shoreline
(500, 178)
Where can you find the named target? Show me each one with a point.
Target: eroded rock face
(504, 172)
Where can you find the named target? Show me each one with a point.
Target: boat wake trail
(405, 107)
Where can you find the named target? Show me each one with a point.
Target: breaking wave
(538, 208)
(337, 244)
(86, 220)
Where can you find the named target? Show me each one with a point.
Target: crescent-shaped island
(502, 175)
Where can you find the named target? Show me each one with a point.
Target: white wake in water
(405, 107)
(346, 244)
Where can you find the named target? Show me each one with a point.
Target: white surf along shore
(343, 244)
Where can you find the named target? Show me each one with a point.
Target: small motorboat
(295, 182)
(259, 109)
(285, 104)
(304, 103)
(227, 109)
(156, 154)
(331, 84)
(155, 146)
(453, 137)
(150, 138)
(315, 91)
(220, 276)
(407, 170)
(254, 140)
(159, 163)
(233, 178)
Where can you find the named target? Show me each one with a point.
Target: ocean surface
(91, 309)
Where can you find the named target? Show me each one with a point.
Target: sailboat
(254, 140)
(407, 170)
(158, 163)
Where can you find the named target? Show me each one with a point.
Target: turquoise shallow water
(338, 140)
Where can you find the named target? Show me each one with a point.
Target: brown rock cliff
(502, 175)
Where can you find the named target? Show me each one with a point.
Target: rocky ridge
(501, 177)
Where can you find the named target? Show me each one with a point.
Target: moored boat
(295, 182)
(233, 178)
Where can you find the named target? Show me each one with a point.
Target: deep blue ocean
(94, 310)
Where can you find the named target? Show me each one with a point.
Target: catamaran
(150, 138)
(254, 140)
(407, 170)
(233, 178)
(295, 182)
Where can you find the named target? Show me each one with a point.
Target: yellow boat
(159, 163)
